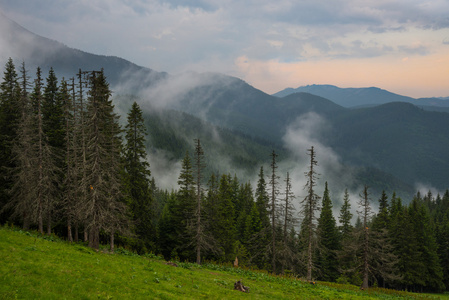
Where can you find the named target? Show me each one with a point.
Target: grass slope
(34, 267)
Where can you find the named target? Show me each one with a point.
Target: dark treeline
(68, 168)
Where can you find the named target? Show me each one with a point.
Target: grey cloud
(310, 130)
(199, 4)
(419, 50)
(209, 35)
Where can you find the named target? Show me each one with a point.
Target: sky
(398, 45)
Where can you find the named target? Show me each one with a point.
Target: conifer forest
(70, 167)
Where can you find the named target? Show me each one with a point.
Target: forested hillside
(399, 138)
(171, 134)
(69, 167)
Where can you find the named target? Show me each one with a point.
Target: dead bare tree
(287, 254)
(310, 205)
(274, 207)
(202, 240)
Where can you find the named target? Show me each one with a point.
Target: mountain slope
(42, 267)
(171, 134)
(232, 103)
(398, 138)
(22, 45)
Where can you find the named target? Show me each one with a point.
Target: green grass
(33, 267)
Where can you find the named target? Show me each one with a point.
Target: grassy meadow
(42, 267)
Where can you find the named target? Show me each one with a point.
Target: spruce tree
(103, 208)
(244, 204)
(168, 229)
(52, 108)
(345, 217)
(224, 225)
(53, 113)
(221, 225)
(261, 240)
(185, 209)
(9, 122)
(328, 240)
(23, 155)
(442, 235)
(67, 94)
(262, 199)
(34, 187)
(382, 218)
(211, 209)
(384, 263)
(365, 214)
(138, 175)
(427, 265)
(345, 254)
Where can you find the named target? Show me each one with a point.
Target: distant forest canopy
(69, 168)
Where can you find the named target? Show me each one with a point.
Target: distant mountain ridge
(357, 97)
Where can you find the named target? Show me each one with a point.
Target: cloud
(209, 35)
(416, 49)
(424, 189)
(164, 170)
(310, 130)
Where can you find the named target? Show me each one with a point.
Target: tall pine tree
(138, 176)
(103, 208)
(9, 122)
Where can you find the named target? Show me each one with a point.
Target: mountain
(364, 97)
(398, 138)
(22, 45)
(432, 103)
(228, 102)
(348, 97)
(171, 134)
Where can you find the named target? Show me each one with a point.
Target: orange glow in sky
(414, 76)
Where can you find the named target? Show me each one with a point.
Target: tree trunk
(26, 222)
(40, 221)
(365, 240)
(49, 222)
(94, 238)
(69, 230)
(76, 234)
(112, 241)
(86, 235)
(309, 256)
(273, 209)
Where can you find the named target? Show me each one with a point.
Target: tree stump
(240, 287)
(171, 264)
